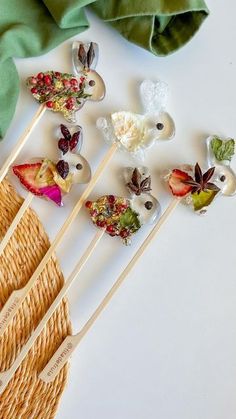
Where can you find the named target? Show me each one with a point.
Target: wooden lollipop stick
(17, 297)
(70, 343)
(21, 142)
(6, 376)
(16, 221)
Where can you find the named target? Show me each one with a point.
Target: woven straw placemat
(27, 397)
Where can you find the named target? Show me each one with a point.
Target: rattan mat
(27, 397)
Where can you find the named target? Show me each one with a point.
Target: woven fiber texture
(27, 397)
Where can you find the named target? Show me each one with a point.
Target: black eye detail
(222, 178)
(148, 205)
(79, 166)
(160, 126)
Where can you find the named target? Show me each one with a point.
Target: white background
(166, 345)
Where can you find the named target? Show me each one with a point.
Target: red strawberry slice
(176, 184)
(27, 175)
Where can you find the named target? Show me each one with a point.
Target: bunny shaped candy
(134, 132)
(65, 92)
(200, 189)
(42, 177)
(121, 216)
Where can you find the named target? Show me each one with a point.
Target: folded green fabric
(161, 26)
(32, 27)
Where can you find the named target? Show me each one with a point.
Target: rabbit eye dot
(79, 166)
(148, 205)
(222, 178)
(160, 126)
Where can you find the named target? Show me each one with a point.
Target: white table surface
(166, 345)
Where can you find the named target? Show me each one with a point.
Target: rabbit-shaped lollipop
(43, 177)
(199, 188)
(65, 92)
(135, 132)
(121, 216)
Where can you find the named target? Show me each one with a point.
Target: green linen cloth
(32, 27)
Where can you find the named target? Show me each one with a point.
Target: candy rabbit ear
(84, 60)
(219, 154)
(84, 56)
(154, 95)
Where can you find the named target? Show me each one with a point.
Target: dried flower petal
(90, 55)
(82, 55)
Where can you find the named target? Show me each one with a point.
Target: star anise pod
(201, 180)
(137, 185)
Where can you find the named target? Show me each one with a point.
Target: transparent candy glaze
(121, 216)
(224, 177)
(84, 60)
(136, 132)
(194, 186)
(47, 179)
(65, 92)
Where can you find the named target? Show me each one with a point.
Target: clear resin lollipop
(137, 132)
(200, 188)
(66, 92)
(121, 216)
(45, 178)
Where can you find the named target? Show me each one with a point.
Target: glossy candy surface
(65, 92)
(121, 216)
(48, 179)
(200, 189)
(137, 132)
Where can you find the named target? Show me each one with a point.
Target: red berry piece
(88, 204)
(73, 82)
(63, 168)
(63, 145)
(65, 132)
(57, 74)
(101, 224)
(33, 80)
(111, 230)
(66, 83)
(47, 80)
(49, 104)
(124, 234)
(111, 199)
(74, 140)
(40, 76)
(34, 90)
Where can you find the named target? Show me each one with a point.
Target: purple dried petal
(65, 132)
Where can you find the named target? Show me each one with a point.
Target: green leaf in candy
(223, 150)
(129, 219)
(203, 199)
